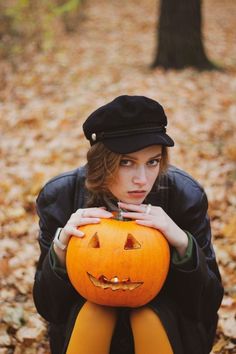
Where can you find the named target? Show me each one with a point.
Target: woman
(127, 169)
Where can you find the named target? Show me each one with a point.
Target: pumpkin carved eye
(131, 243)
(94, 241)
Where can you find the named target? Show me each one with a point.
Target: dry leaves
(43, 104)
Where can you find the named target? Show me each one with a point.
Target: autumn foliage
(46, 95)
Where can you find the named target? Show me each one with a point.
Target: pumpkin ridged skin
(148, 264)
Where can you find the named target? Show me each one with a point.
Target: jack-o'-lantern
(118, 263)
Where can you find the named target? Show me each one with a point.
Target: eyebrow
(150, 158)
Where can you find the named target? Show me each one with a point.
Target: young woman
(127, 169)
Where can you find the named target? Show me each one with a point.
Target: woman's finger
(133, 207)
(85, 221)
(92, 212)
(88, 216)
(145, 222)
(134, 215)
(82, 222)
(98, 212)
(73, 230)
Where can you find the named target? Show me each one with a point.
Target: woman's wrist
(61, 253)
(63, 237)
(182, 245)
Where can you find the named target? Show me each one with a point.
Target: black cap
(128, 124)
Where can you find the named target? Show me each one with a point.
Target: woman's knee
(144, 314)
(149, 333)
(96, 311)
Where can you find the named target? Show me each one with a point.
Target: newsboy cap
(128, 124)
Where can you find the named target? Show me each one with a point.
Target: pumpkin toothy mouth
(114, 283)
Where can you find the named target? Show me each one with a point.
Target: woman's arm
(199, 291)
(197, 288)
(53, 294)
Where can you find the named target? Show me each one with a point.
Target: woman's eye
(154, 162)
(125, 162)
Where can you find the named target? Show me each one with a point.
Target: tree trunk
(180, 37)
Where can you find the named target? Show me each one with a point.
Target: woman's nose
(140, 176)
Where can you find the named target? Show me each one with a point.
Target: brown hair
(102, 166)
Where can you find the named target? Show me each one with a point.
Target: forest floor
(43, 103)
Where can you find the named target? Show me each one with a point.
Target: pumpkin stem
(118, 215)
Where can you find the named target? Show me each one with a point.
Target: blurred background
(60, 60)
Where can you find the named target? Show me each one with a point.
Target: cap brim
(132, 143)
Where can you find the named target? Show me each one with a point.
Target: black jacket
(189, 300)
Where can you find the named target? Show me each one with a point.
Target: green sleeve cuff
(186, 260)
(56, 265)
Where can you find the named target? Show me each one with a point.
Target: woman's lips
(137, 194)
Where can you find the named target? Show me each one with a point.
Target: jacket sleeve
(53, 295)
(198, 291)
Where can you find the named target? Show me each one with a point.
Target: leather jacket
(196, 293)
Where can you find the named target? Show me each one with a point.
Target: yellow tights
(93, 330)
(149, 334)
(95, 324)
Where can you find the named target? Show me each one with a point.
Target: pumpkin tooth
(104, 286)
(103, 279)
(114, 280)
(126, 280)
(135, 285)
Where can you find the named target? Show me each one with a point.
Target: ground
(45, 99)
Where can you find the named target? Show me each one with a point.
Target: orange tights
(95, 324)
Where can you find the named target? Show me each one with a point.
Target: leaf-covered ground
(43, 104)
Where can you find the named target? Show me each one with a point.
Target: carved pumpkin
(118, 263)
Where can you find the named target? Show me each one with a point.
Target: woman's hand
(158, 219)
(79, 218)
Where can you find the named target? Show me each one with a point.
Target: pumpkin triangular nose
(131, 243)
(94, 241)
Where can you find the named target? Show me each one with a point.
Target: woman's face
(136, 175)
